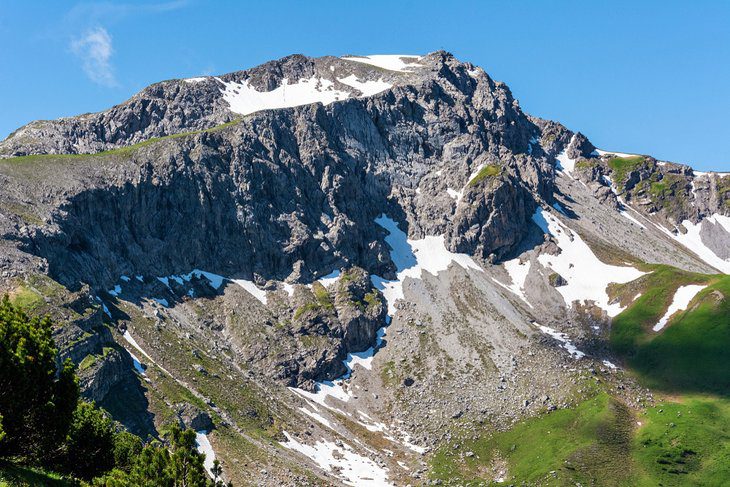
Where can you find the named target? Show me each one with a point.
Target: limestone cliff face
(292, 193)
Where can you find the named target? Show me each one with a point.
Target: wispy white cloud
(95, 50)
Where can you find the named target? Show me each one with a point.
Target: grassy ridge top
(622, 166)
(123, 151)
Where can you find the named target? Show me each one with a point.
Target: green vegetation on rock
(488, 171)
(119, 151)
(601, 442)
(323, 301)
(622, 166)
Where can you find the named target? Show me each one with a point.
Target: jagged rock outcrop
(291, 192)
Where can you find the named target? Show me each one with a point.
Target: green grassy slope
(601, 441)
(15, 475)
(582, 444)
(691, 353)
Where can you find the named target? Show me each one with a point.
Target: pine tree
(217, 470)
(89, 446)
(37, 398)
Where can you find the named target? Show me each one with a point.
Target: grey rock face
(177, 106)
(294, 192)
(194, 418)
(716, 238)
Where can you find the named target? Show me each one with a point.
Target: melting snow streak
(681, 300)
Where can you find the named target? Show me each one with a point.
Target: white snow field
(367, 88)
(203, 445)
(195, 80)
(627, 215)
(391, 62)
(412, 257)
(586, 276)
(693, 241)
(680, 301)
(252, 289)
(457, 195)
(245, 99)
(137, 364)
(617, 154)
(342, 461)
(518, 273)
(565, 163)
(130, 339)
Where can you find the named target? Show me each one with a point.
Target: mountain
(378, 270)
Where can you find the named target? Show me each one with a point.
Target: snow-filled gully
(411, 258)
(692, 240)
(587, 277)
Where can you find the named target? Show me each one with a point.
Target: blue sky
(649, 77)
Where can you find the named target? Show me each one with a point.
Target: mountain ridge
(333, 281)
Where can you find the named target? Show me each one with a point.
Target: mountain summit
(370, 270)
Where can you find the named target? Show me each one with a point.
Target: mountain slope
(341, 270)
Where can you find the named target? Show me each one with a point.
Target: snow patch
(628, 216)
(252, 289)
(518, 272)
(289, 288)
(342, 461)
(564, 163)
(412, 258)
(391, 62)
(203, 445)
(586, 276)
(564, 340)
(323, 390)
(680, 301)
(215, 280)
(693, 241)
(130, 339)
(367, 88)
(617, 154)
(245, 99)
(317, 417)
(455, 194)
(137, 364)
(195, 80)
(722, 220)
(330, 278)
